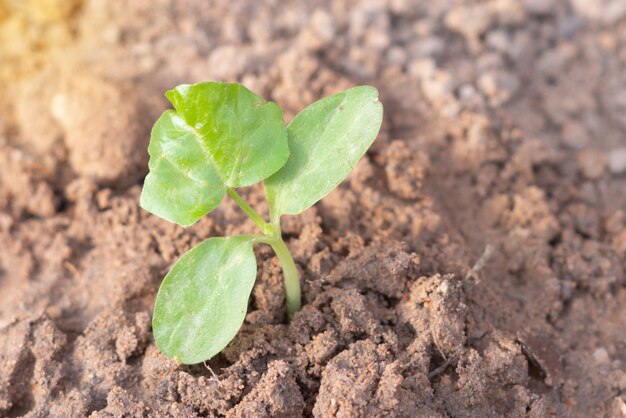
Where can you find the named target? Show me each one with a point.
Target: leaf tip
(170, 95)
(176, 93)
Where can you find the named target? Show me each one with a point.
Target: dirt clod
(472, 264)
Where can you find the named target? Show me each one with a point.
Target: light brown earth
(471, 266)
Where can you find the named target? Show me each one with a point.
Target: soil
(473, 264)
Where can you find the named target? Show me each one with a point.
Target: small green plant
(220, 137)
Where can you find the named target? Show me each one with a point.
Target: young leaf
(219, 135)
(182, 186)
(203, 300)
(326, 140)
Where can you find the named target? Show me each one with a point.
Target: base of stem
(290, 274)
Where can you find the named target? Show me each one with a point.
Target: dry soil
(471, 266)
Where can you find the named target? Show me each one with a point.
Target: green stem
(290, 275)
(256, 218)
(272, 236)
(274, 219)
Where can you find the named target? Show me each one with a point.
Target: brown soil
(471, 266)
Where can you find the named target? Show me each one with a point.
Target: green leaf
(182, 186)
(203, 300)
(326, 141)
(219, 135)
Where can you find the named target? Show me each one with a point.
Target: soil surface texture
(472, 265)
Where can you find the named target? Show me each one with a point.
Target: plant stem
(290, 275)
(256, 218)
(272, 236)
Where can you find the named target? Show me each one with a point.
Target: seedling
(220, 137)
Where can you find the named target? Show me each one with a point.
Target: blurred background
(505, 125)
(83, 80)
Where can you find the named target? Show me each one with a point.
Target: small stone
(429, 47)
(553, 61)
(323, 24)
(601, 356)
(439, 87)
(423, 28)
(112, 34)
(6, 222)
(43, 201)
(470, 21)
(539, 7)
(508, 12)
(422, 68)
(575, 135)
(499, 40)
(617, 161)
(378, 39)
(400, 7)
(498, 86)
(103, 198)
(396, 56)
(592, 164)
(467, 92)
(568, 26)
(522, 49)
(320, 32)
(489, 62)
